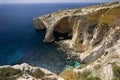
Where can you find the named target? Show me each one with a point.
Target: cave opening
(62, 36)
(63, 29)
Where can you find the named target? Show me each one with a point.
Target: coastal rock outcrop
(89, 28)
(90, 33)
(64, 21)
(26, 72)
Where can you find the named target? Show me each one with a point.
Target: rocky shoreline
(90, 34)
(89, 28)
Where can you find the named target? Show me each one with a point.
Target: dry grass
(86, 75)
(68, 74)
(110, 16)
(93, 17)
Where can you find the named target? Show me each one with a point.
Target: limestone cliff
(26, 72)
(91, 33)
(89, 27)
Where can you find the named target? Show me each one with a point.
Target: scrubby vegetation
(97, 67)
(69, 74)
(84, 75)
(93, 78)
(116, 70)
(110, 16)
(8, 73)
(37, 73)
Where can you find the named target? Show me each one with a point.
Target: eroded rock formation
(94, 31)
(88, 26)
(63, 21)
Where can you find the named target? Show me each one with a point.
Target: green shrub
(83, 75)
(116, 70)
(86, 75)
(96, 67)
(37, 73)
(93, 78)
(8, 73)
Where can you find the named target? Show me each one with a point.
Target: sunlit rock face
(94, 36)
(26, 72)
(93, 29)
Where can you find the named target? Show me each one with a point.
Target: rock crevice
(88, 26)
(94, 31)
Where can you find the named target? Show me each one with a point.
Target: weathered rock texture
(90, 28)
(95, 33)
(30, 73)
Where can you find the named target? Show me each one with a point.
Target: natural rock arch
(63, 29)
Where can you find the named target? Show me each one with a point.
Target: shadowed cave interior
(62, 36)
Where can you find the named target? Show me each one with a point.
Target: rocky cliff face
(90, 28)
(91, 33)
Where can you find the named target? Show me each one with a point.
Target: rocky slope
(90, 33)
(26, 72)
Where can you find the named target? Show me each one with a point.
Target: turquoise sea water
(20, 42)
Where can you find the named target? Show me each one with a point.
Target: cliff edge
(26, 72)
(90, 33)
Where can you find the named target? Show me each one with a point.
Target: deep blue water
(20, 42)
